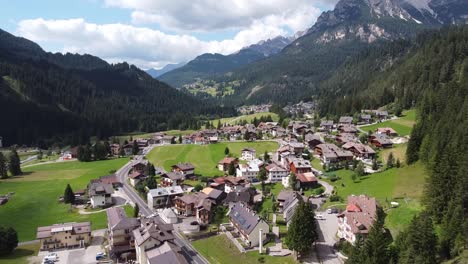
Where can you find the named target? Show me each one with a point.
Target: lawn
(219, 249)
(204, 157)
(399, 152)
(136, 135)
(248, 118)
(404, 185)
(35, 200)
(402, 126)
(21, 254)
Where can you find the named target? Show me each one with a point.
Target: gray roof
(117, 219)
(184, 166)
(244, 217)
(346, 119)
(163, 191)
(167, 253)
(174, 176)
(99, 188)
(76, 228)
(152, 229)
(284, 194)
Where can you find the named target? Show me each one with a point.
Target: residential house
(234, 184)
(360, 150)
(108, 179)
(276, 172)
(141, 166)
(167, 140)
(326, 125)
(282, 197)
(135, 177)
(195, 204)
(172, 179)
(153, 235)
(381, 115)
(346, 137)
(128, 149)
(306, 180)
(313, 140)
(250, 170)
(387, 131)
(168, 216)
(142, 143)
(67, 235)
(358, 217)
(100, 194)
(246, 196)
(251, 228)
(365, 118)
(278, 132)
(300, 165)
(115, 149)
(289, 206)
(330, 153)
(223, 165)
(214, 195)
(120, 231)
(163, 197)
(345, 120)
(380, 141)
(348, 128)
(248, 154)
(187, 169)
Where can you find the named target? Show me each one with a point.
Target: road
(324, 245)
(190, 253)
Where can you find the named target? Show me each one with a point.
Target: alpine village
(342, 143)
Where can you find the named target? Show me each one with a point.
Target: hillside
(336, 37)
(209, 66)
(70, 97)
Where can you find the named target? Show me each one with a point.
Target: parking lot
(80, 255)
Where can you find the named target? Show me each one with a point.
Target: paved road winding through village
(192, 255)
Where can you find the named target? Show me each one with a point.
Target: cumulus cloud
(253, 20)
(205, 15)
(139, 45)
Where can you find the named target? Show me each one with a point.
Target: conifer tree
(135, 148)
(3, 167)
(302, 232)
(232, 169)
(136, 210)
(15, 163)
(68, 196)
(226, 151)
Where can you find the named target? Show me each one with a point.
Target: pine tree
(398, 163)
(302, 232)
(262, 175)
(375, 165)
(219, 125)
(292, 181)
(390, 160)
(121, 152)
(360, 169)
(180, 139)
(15, 163)
(376, 247)
(136, 210)
(151, 169)
(9, 240)
(68, 196)
(151, 182)
(135, 148)
(3, 167)
(232, 169)
(226, 151)
(266, 157)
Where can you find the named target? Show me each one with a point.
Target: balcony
(49, 242)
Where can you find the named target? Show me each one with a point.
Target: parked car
(319, 217)
(51, 257)
(332, 210)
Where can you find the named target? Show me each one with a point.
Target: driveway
(81, 255)
(327, 238)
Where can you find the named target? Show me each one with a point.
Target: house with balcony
(358, 217)
(276, 173)
(100, 194)
(195, 204)
(67, 235)
(120, 231)
(187, 169)
(248, 224)
(172, 179)
(163, 197)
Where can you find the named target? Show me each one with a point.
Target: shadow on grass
(18, 253)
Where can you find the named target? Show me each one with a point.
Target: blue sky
(152, 33)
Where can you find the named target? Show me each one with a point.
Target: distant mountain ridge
(155, 73)
(71, 97)
(209, 65)
(338, 35)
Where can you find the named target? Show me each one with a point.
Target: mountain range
(295, 72)
(67, 98)
(155, 73)
(208, 65)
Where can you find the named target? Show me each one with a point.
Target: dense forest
(434, 79)
(49, 98)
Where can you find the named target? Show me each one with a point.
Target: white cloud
(206, 15)
(143, 46)
(254, 20)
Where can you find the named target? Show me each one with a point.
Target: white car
(319, 217)
(51, 257)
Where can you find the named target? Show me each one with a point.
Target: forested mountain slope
(47, 95)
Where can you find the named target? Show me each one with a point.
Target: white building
(248, 154)
(162, 197)
(248, 224)
(100, 194)
(250, 170)
(168, 216)
(276, 173)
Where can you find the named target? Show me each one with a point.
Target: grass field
(219, 249)
(402, 126)
(21, 254)
(35, 202)
(399, 152)
(248, 118)
(404, 185)
(136, 135)
(204, 157)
